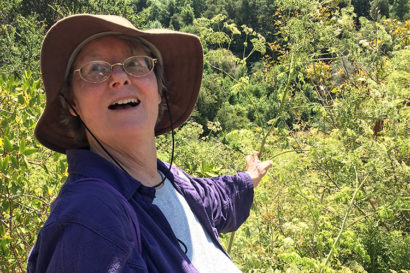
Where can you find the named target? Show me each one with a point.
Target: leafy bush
(30, 175)
(331, 96)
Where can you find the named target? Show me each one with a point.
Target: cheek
(80, 97)
(75, 92)
(156, 88)
(149, 86)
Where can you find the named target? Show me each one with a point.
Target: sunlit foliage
(327, 83)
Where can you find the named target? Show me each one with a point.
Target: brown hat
(182, 58)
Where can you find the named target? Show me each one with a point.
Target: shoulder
(92, 205)
(88, 230)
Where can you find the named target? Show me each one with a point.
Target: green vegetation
(326, 81)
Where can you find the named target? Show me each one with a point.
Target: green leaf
(8, 147)
(14, 162)
(62, 166)
(2, 230)
(22, 146)
(30, 151)
(4, 163)
(4, 246)
(21, 99)
(44, 166)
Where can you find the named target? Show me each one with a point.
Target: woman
(111, 89)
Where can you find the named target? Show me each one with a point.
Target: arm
(87, 231)
(227, 199)
(72, 247)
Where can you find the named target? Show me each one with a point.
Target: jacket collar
(85, 163)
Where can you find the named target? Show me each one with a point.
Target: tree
(400, 10)
(362, 8)
(379, 7)
(20, 40)
(199, 6)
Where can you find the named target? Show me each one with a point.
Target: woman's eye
(134, 64)
(96, 67)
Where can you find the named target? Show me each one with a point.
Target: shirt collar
(89, 164)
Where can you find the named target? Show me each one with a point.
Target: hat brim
(182, 62)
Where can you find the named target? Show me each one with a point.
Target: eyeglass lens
(98, 71)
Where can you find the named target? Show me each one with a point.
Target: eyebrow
(133, 49)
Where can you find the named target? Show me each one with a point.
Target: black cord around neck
(89, 131)
(112, 158)
(173, 141)
(184, 245)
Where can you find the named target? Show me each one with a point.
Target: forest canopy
(324, 85)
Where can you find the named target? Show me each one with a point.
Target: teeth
(125, 101)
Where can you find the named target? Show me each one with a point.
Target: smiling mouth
(124, 104)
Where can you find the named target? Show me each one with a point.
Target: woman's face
(97, 103)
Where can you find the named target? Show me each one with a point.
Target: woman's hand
(256, 168)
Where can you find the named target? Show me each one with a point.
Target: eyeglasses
(99, 71)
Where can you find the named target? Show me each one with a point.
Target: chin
(136, 130)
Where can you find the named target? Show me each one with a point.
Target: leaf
(4, 245)
(4, 163)
(14, 162)
(272, 121)
(62, 166)
(44, 166)
(8, 147)
(22, 146)
(21, 99)
(2, 230)
(30, 151)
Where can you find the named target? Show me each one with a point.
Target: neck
(138, 158)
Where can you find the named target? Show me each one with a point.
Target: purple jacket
(91, 228)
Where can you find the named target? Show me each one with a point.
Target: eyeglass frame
(153, 60)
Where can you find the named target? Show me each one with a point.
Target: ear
(159, 98)
(71, 111)
(72, 108)
(70, 103)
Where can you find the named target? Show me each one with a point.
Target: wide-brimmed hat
(182, 59)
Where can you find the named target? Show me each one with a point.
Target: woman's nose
(118, 77)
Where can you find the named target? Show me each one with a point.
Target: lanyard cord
(173, 141)
(119, 165)
(112, 158)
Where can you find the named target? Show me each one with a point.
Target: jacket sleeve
(70, 247)
(227, 199)
(85, 233)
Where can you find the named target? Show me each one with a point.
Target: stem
(278, 207)
(282, 103)
(231, 242)
(223, 71)
(30, 196)
(244, 47)
(344, 220)
(8, 112)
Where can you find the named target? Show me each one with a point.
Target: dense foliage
(325, 83)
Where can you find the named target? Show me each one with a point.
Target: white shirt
(203, 253)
